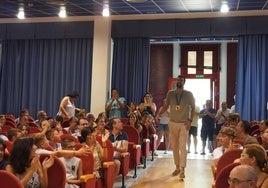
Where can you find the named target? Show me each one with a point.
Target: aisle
(158, 173)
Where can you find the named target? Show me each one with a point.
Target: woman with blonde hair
(255, 156)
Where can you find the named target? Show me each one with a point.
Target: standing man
(182, 107)
(221, 116)
(115, 105)
(208, 126)
(193, 131)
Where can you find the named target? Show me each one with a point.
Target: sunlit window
(191, 62)
(208, 62)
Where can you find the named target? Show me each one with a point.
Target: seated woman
(147, 105)
(25, 164)
(226, 137)
(134, 122)
(133, 109)
(89, 140)
(100, 127)
(255, 156)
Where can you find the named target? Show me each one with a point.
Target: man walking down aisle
(182, 109)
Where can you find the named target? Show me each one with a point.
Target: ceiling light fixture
(224, 7)
(21, 14)
(105, 11)
(62, 13)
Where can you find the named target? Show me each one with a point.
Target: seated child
(73, 165)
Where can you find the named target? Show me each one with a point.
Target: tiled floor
(158, 173)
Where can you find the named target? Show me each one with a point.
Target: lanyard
(178, 99)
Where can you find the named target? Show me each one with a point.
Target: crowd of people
(176, 121)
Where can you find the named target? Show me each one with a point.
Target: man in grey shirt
(182, 107)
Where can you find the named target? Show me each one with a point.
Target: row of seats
(224, 167)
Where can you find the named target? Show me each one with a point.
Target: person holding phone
(147, 105)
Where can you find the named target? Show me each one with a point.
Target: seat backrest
(65, 123)
(227, 158)
(9, 180)
(56, 173)
(11, 124)
(222, 178)
(69, 136)
(5, 128)
(34, 130)
(32, 124)
(9, 145)
(10, 116)
(124, 121)
(110, 149)
(87, 161)
(133, 134)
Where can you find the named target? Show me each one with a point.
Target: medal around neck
(177, 107)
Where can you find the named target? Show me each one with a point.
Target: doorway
(201, 89)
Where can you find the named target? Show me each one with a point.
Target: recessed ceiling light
(21, 14)
(62, 13)
(136, 1)
(105, 11)
(224, 7)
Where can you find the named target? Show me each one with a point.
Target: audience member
(73, 165)
(208, 126)
(242, 134)
(82, 123)
(162, 129)
(147, 104)
(115, 105)
(133, 109)
(91, 119)
(193, 130)
(41, 142)
(25, 164)
(13, 134)
(24, 112)
(119, 140)
(255, 156)
(67, 107)
(232, 110)
(100, 127)
(2, 120)
(2, 136)
(232, 120)
(134, 122)
(226, 137)
(54, 139)
(243, 176)
(41, 116)
(99, 153)
(72, 126)
(221, 116)
(263, 125)
(25, 129)
(264, 138)
(148, 128)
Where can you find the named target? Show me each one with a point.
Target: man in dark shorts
(208, 126)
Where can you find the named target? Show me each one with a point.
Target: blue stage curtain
(37, 74)
(130, 67)
(252, 77)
